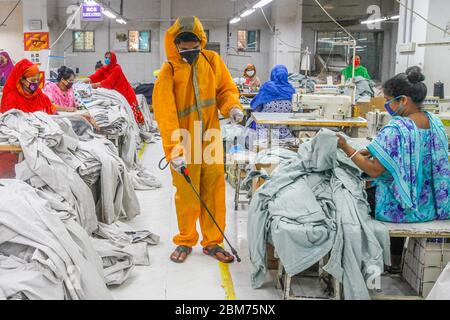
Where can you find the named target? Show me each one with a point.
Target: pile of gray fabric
(114, 115)
(55, 158)
(41, 138)
(301, 81)
(44, 253)
(364, 88)
(314, 206)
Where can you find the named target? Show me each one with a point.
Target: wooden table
(289, 119)
(249, 94)
(10, 148)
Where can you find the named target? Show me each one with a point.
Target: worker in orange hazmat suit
(191, 87)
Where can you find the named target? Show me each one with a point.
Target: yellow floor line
(227, 281)
(141, 152)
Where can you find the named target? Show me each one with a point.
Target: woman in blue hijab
(274, 96)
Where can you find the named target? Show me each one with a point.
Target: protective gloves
(236, 115)
(177, 163)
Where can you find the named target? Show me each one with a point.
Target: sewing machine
(333, 107)
(375, 121)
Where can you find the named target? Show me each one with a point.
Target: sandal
(218, 249)
(180, 250)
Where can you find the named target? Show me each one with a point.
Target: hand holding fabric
(342, 142)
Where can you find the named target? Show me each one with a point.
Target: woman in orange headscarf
(22, 90)
(251, 79)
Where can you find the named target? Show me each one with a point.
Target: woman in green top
(359, 69)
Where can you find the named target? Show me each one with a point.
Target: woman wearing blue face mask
(409, 157)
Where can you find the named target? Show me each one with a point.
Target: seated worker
(98, 65)
(6, 66)
(111, 76)
(61, 93)
(274, 96)
(22, 90)
(359, 69)
(191, 88)
(409, 156)
(251, 79)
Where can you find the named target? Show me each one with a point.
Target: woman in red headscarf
(111, 76)
(22, 90)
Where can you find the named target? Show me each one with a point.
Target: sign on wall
(91, 12)
(36, 41)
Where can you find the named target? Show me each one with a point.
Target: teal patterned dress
(415, 186)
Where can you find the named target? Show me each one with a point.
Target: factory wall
(348, 9)
(432, 58)
(158, 17)
(11, 35)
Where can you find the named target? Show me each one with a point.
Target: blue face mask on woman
(388, 108)
(107, 61)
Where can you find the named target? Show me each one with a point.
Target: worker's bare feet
(180, 254)
(218, 253)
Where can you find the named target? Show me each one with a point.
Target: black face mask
(190, 56)
(68, 85)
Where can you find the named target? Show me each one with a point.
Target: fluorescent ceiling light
(261, 4)
(373, 21)
(380, 20)
(90, 2)
(121, 21)
(247, 13)
(109, 14)
(235, 20)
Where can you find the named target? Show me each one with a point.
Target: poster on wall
(36, 41)
(121, 42)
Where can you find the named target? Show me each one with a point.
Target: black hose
(189, 181)
(159, 165)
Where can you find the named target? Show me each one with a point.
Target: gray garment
(118, 199)
(143, 179)
(122, 235)
(117, 263)
(364, 88)
(312, 206)
(304, 82)
(59, 255)
(113, 100)
(40, 137)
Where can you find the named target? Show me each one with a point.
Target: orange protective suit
(188, 97)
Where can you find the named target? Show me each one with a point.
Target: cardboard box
(375, 103)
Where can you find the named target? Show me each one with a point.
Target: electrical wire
(275, 35)
(68, 26)
(334, 20)
(422, 17)
(12, 11)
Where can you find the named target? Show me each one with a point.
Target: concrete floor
(200, 277)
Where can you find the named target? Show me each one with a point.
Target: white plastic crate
(423, 263)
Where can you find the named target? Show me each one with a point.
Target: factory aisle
(200, 277)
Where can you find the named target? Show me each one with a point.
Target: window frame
(378, 36)
(74, 49)
(258, 41)
(149, 41)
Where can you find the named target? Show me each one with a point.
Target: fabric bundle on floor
(314, 206)
(44, 254)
